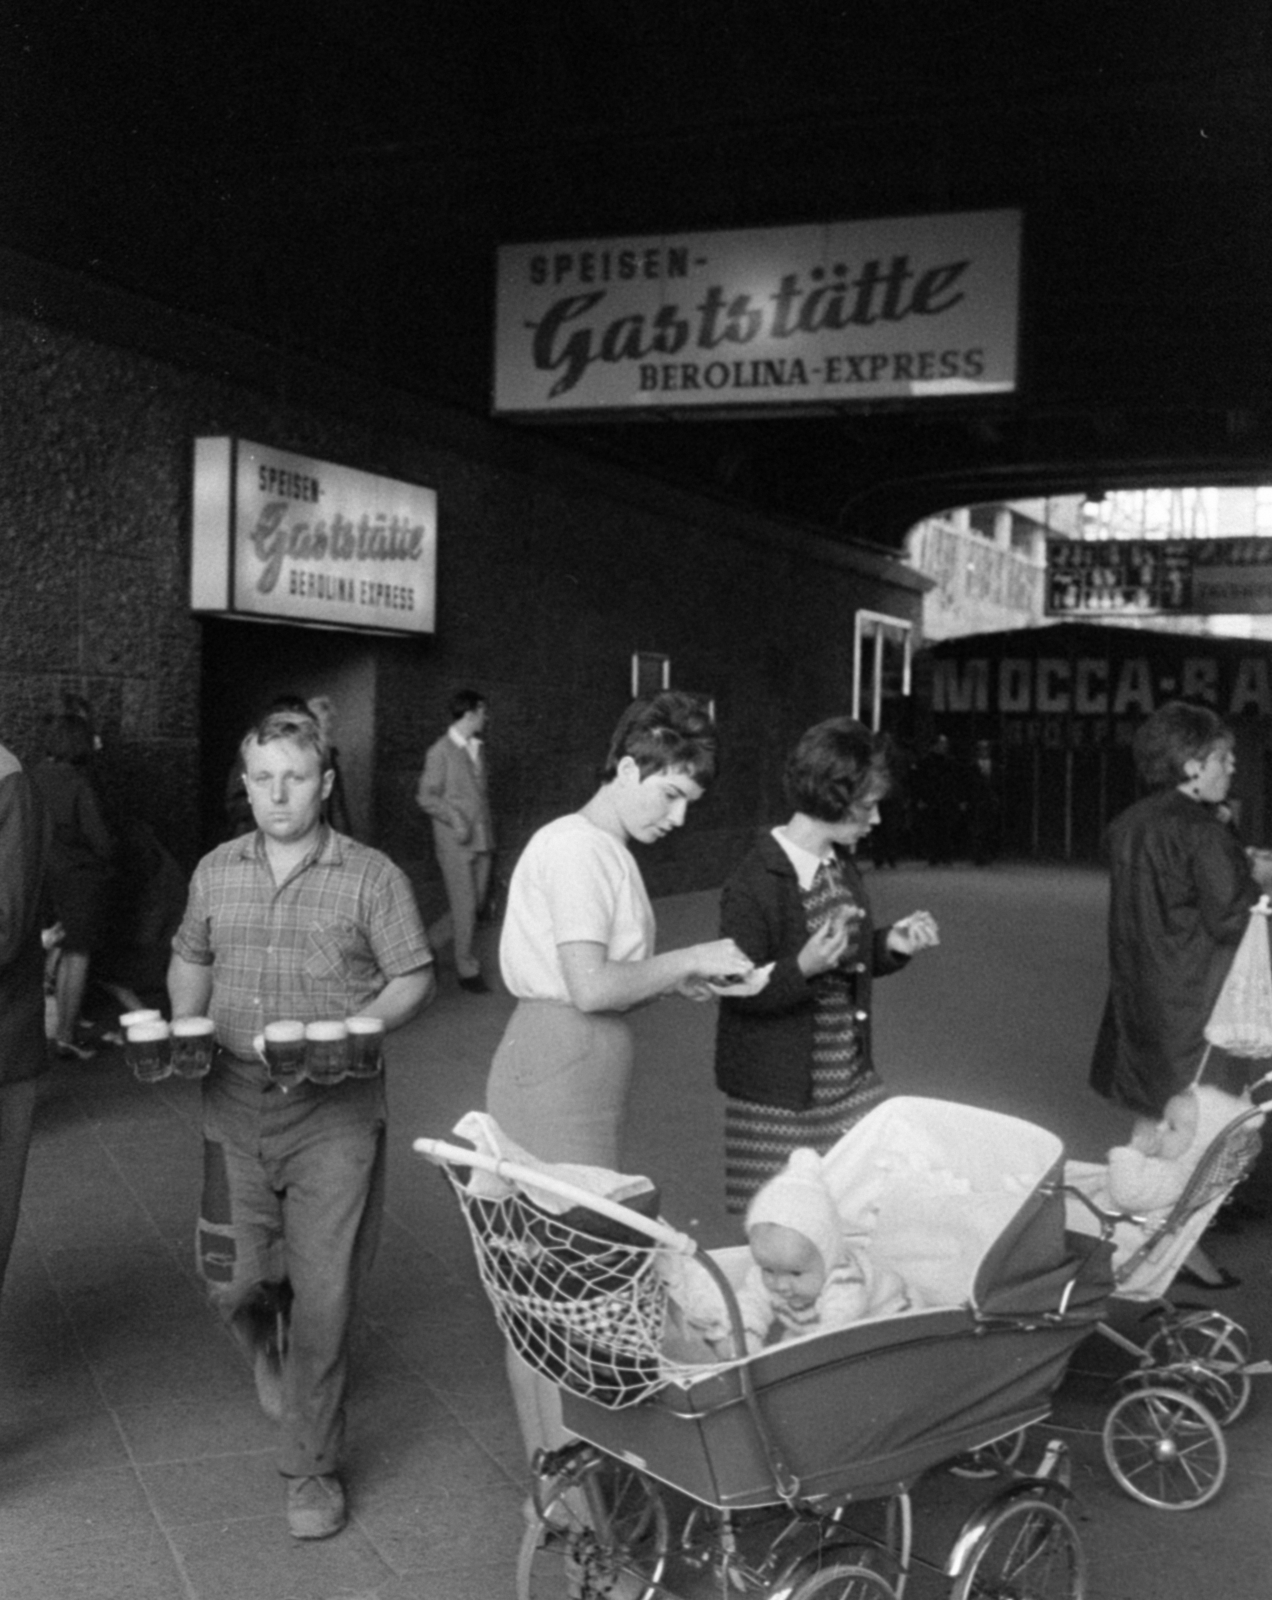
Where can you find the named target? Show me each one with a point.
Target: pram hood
(959, 1200)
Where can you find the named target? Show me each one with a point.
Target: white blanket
(929, 1185)
(924, 1187)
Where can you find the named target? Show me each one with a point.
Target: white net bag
(1241, 1021)
(578, 1296)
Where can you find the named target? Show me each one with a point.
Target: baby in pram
(804, 1276)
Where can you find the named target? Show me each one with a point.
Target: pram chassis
(724, 1440)
(1163, 1439)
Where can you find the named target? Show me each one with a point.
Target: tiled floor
(135, 1464)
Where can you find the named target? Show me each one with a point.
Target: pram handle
(442, 1154)
(1108, 1220)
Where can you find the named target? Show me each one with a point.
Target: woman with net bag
(1181, 892)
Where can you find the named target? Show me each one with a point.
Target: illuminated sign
(904, 308)
(285, 538)
(1156, 577)
(1101, 686)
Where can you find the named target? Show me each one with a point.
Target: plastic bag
(1241, 1021)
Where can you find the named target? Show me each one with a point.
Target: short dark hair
(673, 732)
(289, 702)
(464, 701)
(837, 764)
(68, 737)
(1177, 732)
(299, 727)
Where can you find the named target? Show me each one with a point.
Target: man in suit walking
(452, 790)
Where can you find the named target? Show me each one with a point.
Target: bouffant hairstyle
(837, 764)
(1176, 732)
(673, 732)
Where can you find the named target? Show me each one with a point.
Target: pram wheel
(603, 1534)
(1213, 1350)
(1028, 1547)
(844, 1580)
(1165, 1449)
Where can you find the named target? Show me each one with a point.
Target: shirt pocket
(332, 950)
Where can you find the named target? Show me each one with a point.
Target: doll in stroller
(1163, 1439)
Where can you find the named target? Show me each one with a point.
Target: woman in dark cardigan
(794, 1058)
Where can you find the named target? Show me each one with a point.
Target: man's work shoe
(475, 985)
(315, 1507)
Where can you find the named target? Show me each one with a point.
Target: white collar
(804, 861)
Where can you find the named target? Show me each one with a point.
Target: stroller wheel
(1165, 1448)
(1211, 1352)
(603, 1530)
(1028, 1546)
(844, 1580)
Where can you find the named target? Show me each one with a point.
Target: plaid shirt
(321, 945)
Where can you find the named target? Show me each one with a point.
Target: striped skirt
(758, 1139)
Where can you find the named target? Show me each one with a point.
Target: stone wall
(553, 569)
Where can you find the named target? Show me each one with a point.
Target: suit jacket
(23, 849)
(453, 793)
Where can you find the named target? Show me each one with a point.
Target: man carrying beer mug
(295, 922)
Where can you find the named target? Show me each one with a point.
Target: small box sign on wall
(283, 538)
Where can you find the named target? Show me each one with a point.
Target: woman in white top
(577, 952)
(578, 938)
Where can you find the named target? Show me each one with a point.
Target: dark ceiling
(334, 176)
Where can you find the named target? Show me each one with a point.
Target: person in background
(1180, 893)
(23, 1057)
(939, 803)
(577, 951)
(794, 1059)
(322, 709)
(984, 804)
(453, 792)
(294, 921)
(147, 908)
(888, 838)
(81, 867)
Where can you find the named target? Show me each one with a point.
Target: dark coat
(23, 848)
(1179, 902)
(764, 1044)
(79, 882)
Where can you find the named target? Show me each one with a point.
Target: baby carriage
(781, 1457)
(1163, 1439)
